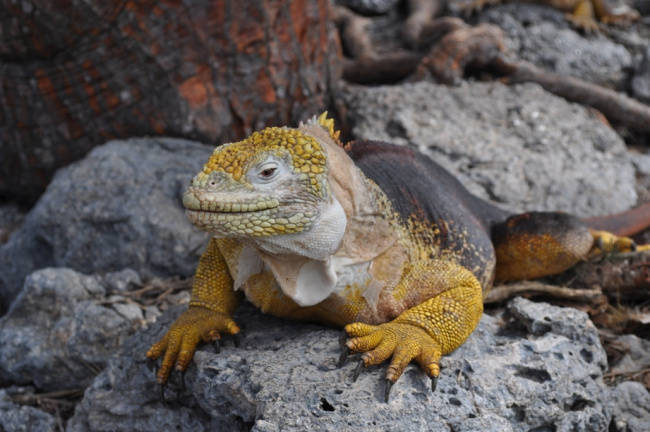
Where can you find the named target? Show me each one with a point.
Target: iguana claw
(389, 385)
(344, 356)
(399, 342)
(177, 347)
(217, 346)
(161, 392)
(152, 365)
(181, 380)
(343, 338)
(434, 383)
(358, 369)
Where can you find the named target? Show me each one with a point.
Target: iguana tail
(623, 224)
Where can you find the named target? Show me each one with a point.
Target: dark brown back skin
(468, 227)
(420, 189)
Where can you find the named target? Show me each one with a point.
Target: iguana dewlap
(374, 237)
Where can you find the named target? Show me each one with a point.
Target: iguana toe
(585, 23)
(400, 342)
(606, 242)
(623, 19)
(177, 347)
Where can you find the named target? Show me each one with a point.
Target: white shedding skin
(301, 262)
(316, 281)
(249, 264)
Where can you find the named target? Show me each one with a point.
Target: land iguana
(372, 237)
(584, 14)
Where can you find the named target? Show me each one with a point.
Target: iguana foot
(402, 342)
(177, 347)
(623, 19)
(606, 242)
(585, 23)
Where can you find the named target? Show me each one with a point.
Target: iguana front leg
(209, 315)
(424, 332)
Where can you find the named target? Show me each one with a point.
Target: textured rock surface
(632, 408)
(58, 334)
(119, 207)
(16, 418)
(543, 370)
(518, 146)
(11, 216)
(542, 36)
(640, 84)
(637, 357)
(124, 397)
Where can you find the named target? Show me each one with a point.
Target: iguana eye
(268, 171)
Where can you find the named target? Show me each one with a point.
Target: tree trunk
(76, 73)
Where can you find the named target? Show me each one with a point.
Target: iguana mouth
(211, 205)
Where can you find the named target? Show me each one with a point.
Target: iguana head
(273, 183)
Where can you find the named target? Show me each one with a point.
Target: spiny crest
(327, 124)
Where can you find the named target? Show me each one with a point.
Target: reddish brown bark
(74, 74)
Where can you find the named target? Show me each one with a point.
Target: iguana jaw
(224, 215)
(215, 204)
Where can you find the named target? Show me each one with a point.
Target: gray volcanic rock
(119, 207)
(124, 397)
(637, 355)
(640, 84)
(517, 146)
(542, 36)
(17, 418)
(61, 330)
(542, 370)
(633, 408)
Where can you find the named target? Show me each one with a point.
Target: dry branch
(421, 12)
(462, 48)
(501, 293)
(352, 30)
(390, 68)
(620, 276)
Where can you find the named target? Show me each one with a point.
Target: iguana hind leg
(537, 244)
